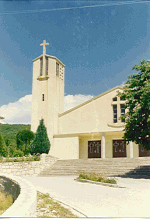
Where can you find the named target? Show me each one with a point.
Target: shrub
(37, 157)
(41, 143)
(18, 153)
(96, 177)
(3, 148)
(30, 158)
(1, 159)
(8, 160)
(17, 159)
(23, 159)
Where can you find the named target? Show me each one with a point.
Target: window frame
(115, 120)
(122, 113)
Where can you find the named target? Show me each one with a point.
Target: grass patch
(5, 202)
(47, 207)
(96, 177)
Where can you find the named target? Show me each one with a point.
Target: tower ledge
(42, 78)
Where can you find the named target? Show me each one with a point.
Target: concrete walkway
(96, 200)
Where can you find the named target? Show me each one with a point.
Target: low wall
(24, 194)
(27, 168)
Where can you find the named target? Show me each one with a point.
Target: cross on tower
(44, 44)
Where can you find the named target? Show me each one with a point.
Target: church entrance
(119, 148)
(143, 152)
(94, 149)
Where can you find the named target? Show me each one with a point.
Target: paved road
(97, 200)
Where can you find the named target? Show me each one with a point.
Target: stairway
(108, 167)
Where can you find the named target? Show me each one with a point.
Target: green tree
(23, 139)
(3, 148)
(136, 92)
(41, 143)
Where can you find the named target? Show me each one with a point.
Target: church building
(93, 129)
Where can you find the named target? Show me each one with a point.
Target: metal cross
(44, 44)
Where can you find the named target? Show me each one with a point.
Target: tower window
(46, 66)
(57, 69)
(122, 112)
(115, 113)
(115, 99)
(41, 66)
(121, 98)
(42, 97)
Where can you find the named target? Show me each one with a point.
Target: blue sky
(98, 41)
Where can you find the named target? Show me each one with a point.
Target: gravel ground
(48, 207)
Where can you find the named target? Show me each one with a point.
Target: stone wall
(25, 196)
(27, 168)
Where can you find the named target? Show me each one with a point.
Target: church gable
(95, 115)
(118, 88)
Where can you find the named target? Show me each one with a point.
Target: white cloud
(71, 101)
(20, 112)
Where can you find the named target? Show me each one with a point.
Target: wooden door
(143, 152)
(94, 149)
(119, 148)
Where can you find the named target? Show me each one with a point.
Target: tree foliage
(3, 148)
(41, 143)
(136, 92)
(9, 132)
(23, 139)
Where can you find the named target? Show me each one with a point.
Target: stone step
(100, 172)
(91, 170)
(100, 162)
(108, 166)
(98, 167)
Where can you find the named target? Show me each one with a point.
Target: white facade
(71, 132)
(47, 93)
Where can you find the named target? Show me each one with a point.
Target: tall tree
(3, 147)
(136, 92)
(23, 139)
(41, 143)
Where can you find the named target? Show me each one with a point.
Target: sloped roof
(94, 98)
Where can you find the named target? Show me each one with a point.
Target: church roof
(52, 57)
(94, 98)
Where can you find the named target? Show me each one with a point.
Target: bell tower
(47, 92)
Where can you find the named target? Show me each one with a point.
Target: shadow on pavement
(141, 172)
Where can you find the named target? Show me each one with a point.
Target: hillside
(11, 130)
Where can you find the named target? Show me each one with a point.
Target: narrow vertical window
(115, 148)
(97, 148)
(115, 113)
(57, 69)
(115, 99)
(121, 98)
(122, 112)
(46, 66)
(91, 149)
(41, 66)
(42, 97)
